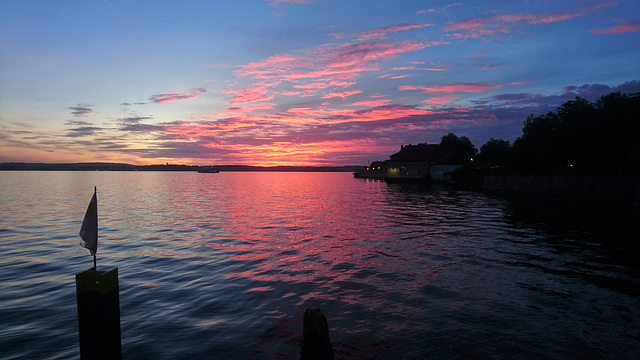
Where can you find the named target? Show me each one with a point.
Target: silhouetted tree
(494, 152)
(618, 130)
(458, 150)
(582, 137)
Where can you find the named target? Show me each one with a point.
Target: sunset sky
(295, 82)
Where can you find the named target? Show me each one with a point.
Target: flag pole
(95, 267)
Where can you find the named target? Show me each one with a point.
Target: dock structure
(98, 299)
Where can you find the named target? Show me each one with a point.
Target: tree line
(578, 137)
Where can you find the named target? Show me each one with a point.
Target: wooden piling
(99, 314)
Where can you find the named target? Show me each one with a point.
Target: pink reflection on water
(298, 228)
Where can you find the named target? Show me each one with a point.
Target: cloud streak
(623, 28)
(294, 2)
(381, 32)
(341, 94)
(318, 71)
(483, 27)
(83, 131)
(80, 110)
(189, 94)
(345, 60)
(452, 88)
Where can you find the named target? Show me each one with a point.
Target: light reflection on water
(223, 265)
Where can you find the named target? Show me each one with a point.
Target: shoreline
(167, 167)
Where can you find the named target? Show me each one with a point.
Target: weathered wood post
(99, 314)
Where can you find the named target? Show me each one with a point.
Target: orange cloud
(308, 153)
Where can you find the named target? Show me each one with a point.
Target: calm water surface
(222, 266)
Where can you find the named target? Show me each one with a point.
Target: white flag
(89, 229)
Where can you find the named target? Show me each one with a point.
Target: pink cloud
(491, 67)
(452, 88)
(323, 85)
(318, 134)
(250, 95)
(381, 113)
(383, 31)
(551, 18)
(401, 76)
(192, 93)
(271, 67)
(341, 94)
(434, 101)
(345, 60)
(337, 35)
(496, 23)
(417, 68)
(438, 10)
(295, 2)
(309, 112)
(255, 93)
(342, 83)
(248, 108)
(371, 103)
(395, 77)
(472, 24)
(305, 93)
(317, 69)
(488, 26)
(625, 27)
(314, 86)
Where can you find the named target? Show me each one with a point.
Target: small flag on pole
(89, 229)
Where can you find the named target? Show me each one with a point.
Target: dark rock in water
(315, 339)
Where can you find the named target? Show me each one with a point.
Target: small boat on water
(208, 170)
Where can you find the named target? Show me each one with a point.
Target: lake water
(222, 266)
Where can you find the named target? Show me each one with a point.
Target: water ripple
(222, 265)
